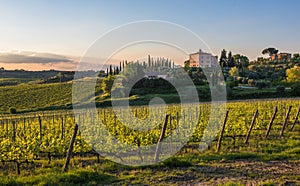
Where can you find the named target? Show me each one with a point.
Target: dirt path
(253, 173)
(242, 172)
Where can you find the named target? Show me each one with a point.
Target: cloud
(29, 60)
(19, 57)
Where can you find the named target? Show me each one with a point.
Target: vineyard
(34, 96)
(246, 128)
(29, 96)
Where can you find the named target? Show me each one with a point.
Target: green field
(29, 96)
(274, 160)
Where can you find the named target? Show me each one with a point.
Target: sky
(56, 34)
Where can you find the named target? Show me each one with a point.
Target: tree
(230, 60)
(296, 89)
(117, 70)
(110, 70)
(253, 68)
(234, 72)
(187, 65)
(237, 58)
(12, 110)
(293, 74)
(241, 62)
(107, 84)
(149, 61)
(102, 73)
(270, 51)
(245, 63)
(296, 57)
(223, 59)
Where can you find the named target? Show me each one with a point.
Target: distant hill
(27, 74)
(14, 77)
(42, 74)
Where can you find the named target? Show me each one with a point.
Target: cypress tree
(110, 70)
(149, 61)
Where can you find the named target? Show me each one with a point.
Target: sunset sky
(55, 34)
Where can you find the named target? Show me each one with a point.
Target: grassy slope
(34, 96)
(31, 97)
(19, 80)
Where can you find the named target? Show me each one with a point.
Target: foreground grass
(261, 162)
(175, 171)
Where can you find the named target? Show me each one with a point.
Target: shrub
(204, 92)
(261, 75)
(280, 89)
(228, 91)
(296, 89)
(232, 84)
(277, 82)
(107, 84)
(253, 75)
(252, 67)
(293, 74)
(198, 81)
(262, 84)
(12, 110)
(251, 82)
(275, 76)
(269, 73)
(242, 80)
(234, 71)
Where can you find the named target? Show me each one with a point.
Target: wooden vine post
(6, 124)
(70, 150)
(285, 121)
(104, 116)
(41, 128)
(62, 128)
(162, 135)
(222, 132)
(24, 123)
(271, 122)
(251, 127)
(171, 132)
(296, 119)
(14, 130)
